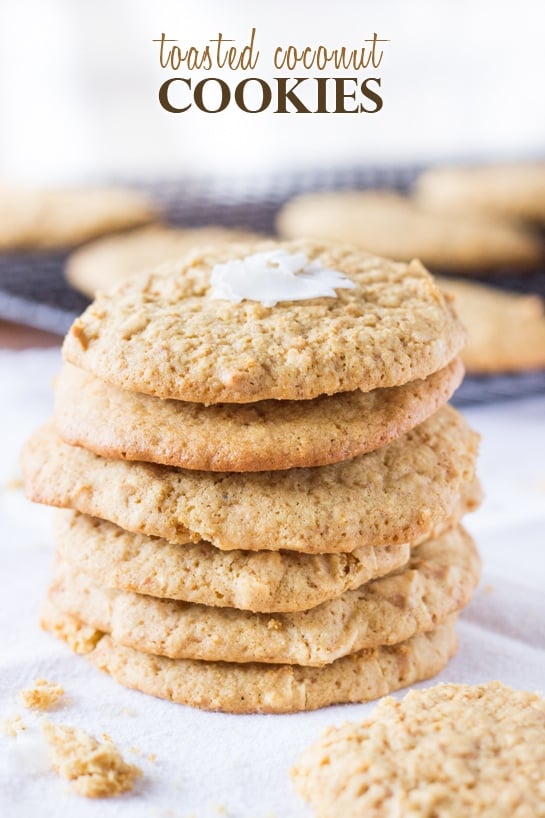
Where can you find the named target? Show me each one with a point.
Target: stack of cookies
(261, 482)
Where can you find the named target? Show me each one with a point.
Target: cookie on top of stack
(261, 483)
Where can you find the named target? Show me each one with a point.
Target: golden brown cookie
(257, 688)
(450, 751)
(265, 581)
(506, 330)
(266, 435)
(166, 336)
(399, 493)
(388, 224)
(104, 263)
(515, 190)
(57, 218)
(437, 581)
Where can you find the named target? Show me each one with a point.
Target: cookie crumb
(489, 589)
(152, 757)
(14, 484)
(95, 769)
(42, 695)
(13, 725)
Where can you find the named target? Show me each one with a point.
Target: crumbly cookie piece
(258, 688)
(165, 336)
(266, 435)
(12, 725)
(437, 582)
(399, 493)
(506, 330)
(388, 224)
(106, 262)
(57, 218)
(42, 695)
(515, 190)
(450, 750)
(95, 769)
(264, 581)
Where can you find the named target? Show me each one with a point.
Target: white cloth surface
(209, 764)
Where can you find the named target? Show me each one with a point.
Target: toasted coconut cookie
(437, 582)
(258, 688)
(399, 493)
(265, 581)
(262, 436)
(60, 218)
(448, 750)
(174, 335)
(398, 227)
(506, 330)
(515, 190)
(108, 261)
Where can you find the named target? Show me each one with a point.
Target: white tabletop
(210, 764)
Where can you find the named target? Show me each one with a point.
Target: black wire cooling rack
(33, 290)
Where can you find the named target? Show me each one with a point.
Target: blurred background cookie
(515, 190)
(105, 262)
(506, 329)
(388, 224)
(66, 217)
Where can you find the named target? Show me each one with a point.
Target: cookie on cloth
(176, 334)
(449, 750)
(514, 190)
(105, 262)
(399, 493)
(388, 224)
(265, 581)
(506, 330)
(266, 435)
(254, 687)
(64, 217)
(437, 582)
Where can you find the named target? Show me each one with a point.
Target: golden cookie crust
(261, 581)
(515, 190)
(395, 226)
(65, 217)
(449, 750)
(399, 493)
(257, 688)
(506, 330)
(437, 582)
(163, 335)
(266, 435)
(106, 262)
